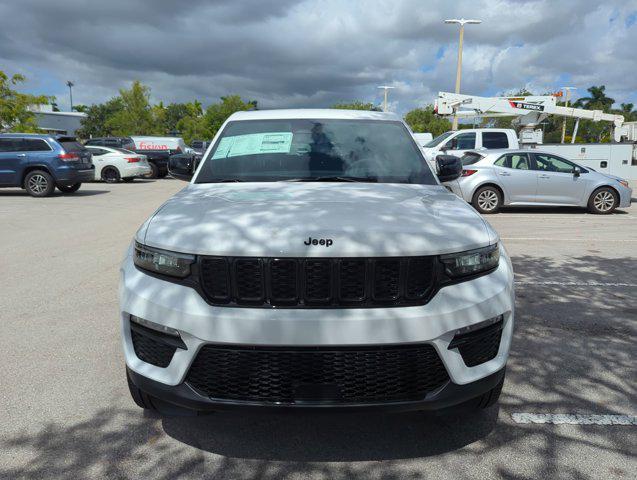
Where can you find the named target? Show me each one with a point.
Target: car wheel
(39, 183)
(487, 200)
(128, 179)
(603, 201)
(141, 399)
(69, 188)
(488, 399)
(110, 175)
(162, 174)
(154, 171)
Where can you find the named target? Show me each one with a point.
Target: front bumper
(198, 323)
(625, 197)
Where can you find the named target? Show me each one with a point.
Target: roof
(28, 135)
(313, 113)
(62, 114)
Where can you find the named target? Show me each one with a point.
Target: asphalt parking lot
(67, 412)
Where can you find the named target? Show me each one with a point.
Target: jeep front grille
(317, 282)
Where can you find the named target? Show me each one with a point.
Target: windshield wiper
(331, 179)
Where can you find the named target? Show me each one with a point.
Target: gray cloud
(316, 52)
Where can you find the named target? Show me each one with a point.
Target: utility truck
(618, 158)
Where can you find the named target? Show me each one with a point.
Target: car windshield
(438, 139)
(315, 150)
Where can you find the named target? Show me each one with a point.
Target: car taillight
(466, 173)
(132, 159)
(69, 157)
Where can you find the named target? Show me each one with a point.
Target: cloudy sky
(294, 53)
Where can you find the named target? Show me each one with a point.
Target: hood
(315, 219)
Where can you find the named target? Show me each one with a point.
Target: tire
(603, 201)
(128, 179)
(488, 399)
(162, 174)
(141, 399)
(154, 171)
(487, 200)
(39, 183)
(69, 188)
(110, 175)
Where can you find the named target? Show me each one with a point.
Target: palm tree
(597, 100)
(626, 109)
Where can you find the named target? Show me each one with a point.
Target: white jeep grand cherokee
(315, 261)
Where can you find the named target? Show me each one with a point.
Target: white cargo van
(172, 144)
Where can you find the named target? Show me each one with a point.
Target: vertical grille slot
(387, 280)
(215, 279)
(318, 280)
(283, 281)
(352, 280)
(248, 275)
(420, 277)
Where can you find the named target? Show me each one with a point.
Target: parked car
(39, 163)
(492, 179)
(115, 164)
(199, 146)
(313, 262)
(158, 150)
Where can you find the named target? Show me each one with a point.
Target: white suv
(315, 261)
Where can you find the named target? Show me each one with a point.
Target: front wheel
(141, 399)
(487, 200)
(603, 201)
(69, 188)
(154, 171)
(39, 183)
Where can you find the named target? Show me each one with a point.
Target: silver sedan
(496, 178)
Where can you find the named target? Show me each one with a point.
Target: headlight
(161, 261)
(471, 262)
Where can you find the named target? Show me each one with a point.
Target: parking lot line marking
(574, 419)
(552, 239)
(575, 284)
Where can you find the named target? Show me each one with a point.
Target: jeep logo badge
(319, 241)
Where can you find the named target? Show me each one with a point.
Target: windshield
(315, 150)
(438, 139)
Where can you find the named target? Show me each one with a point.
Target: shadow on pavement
(574, 352)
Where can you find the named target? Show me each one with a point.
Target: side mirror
(577, 171)
(449, 167)
(181, 166)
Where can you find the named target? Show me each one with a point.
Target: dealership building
(61, 123)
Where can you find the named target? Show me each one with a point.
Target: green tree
(96, 122)
(15, 113)
(424, 120)
(136, 116)
(356, 105)
(217, 113)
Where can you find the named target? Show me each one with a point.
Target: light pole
(70, 84)
(386, 88)
(568, 96)
(462, 22)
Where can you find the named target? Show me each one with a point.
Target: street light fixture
(462, 22)
(386, 88)
(70, 84)
(568, 96)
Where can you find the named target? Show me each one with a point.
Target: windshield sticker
(254, 144)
